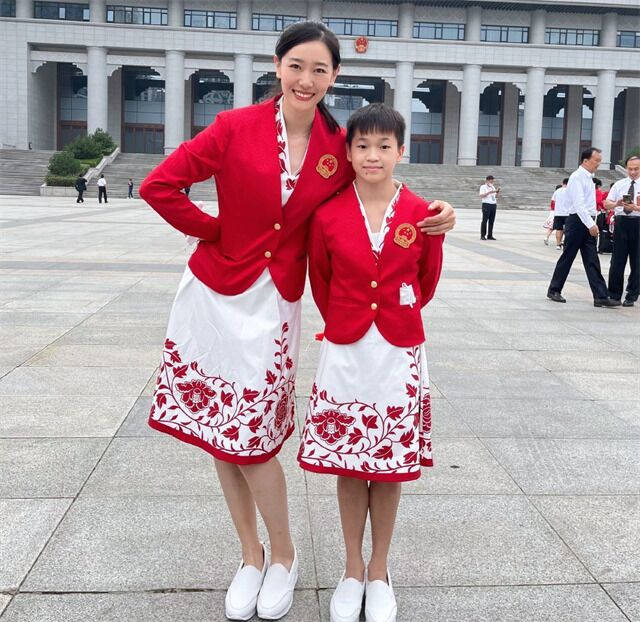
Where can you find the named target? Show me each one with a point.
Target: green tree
(64, 163)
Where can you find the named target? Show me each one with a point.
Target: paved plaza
(532, 512)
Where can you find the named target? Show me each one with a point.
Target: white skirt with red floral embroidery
(369, 414)
(226, 382)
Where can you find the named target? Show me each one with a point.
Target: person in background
(548, 223)
(581, 232)
(130, 188)
(187, 190)
(489, 195)
(80, 186)
(102, 189)
(561, 212)
(624, 200)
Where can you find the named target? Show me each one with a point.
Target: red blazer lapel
(305, 195)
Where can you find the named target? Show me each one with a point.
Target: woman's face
(305, 73)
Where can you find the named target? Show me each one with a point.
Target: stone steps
(22, 171)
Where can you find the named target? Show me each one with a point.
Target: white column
(509, 124)
(631, 120)
(451, 125)
(97, 11)
(314, 10)
(609, 31)
(603, 114)
(538, 26)
(469, 110)
(402, 97)
(573, 129)
(474, 23)
(243, 15)
(533, 104)
(97, 89)
(406, 16)
(24, 9)
(176, 13)
(173, 100)
(243, 80)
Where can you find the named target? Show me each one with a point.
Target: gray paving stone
(45, 319)
(116, 336)
(464, 341)
(456, 540)
(486, 360)
(98, 381)
(466, 384)
(136, 422)
(548, 603)
(43, 467)
(152, 543)
(627, 597)
(556, 343)
(52, 416)
(86, 355)
(157, 466)
(604, 385)
(141, 607)
(577, 361)
(603, 531)
(544, 418)
(571, 466)
(4, 601)
(446, 422)
(25, 527)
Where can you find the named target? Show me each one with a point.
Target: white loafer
(380, 601)
(346, 601)
(242, 595)
(276, 595)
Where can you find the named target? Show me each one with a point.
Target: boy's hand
(443, 222)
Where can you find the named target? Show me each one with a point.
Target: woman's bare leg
(353, 500)
(384, 498)
(268, 487)
(243, 511)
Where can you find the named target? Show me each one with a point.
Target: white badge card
(407, 296)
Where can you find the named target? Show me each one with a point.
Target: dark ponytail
(303, 32)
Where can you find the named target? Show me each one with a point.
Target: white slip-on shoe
(346, 601)
(242, 595)
(276, 594)
(380, 601)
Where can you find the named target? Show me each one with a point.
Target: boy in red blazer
(369, 414)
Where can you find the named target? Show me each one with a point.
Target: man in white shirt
(102, 189)
(488, 193)
(623, 197)
(581, 233)
(561, 211)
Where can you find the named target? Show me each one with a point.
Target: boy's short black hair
(565, 181)
(489, 178)
(378, 118)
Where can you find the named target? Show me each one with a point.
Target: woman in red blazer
(226, 383)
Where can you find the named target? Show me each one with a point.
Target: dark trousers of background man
(80, 199)
(488, 217)
(577, 238)
(626, 243)
(102, 192)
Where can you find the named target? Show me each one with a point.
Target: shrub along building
(482, 82)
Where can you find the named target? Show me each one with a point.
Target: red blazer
(352, 290)
(252, 230)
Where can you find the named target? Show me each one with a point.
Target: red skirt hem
(218, 453)
(373, 477)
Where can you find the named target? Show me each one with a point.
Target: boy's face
(374, 156)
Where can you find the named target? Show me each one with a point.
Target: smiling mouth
(303, 96)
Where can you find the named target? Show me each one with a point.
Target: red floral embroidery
(332, 425)
(288, 179)
(195, 394)
(238, 420)
(357, 436)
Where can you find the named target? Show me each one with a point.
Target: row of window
(341, 26)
